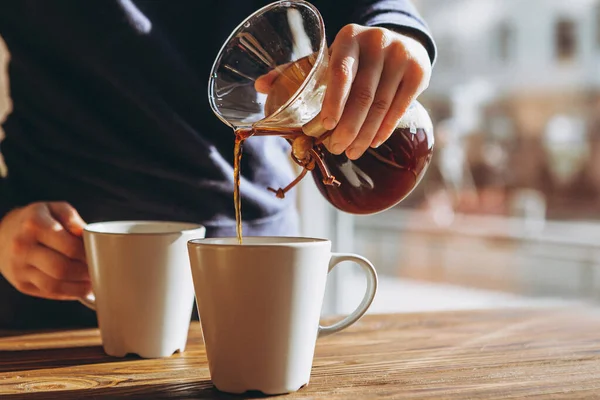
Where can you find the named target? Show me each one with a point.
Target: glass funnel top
(270, 39)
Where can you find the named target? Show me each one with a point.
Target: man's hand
(42, 253)
(373, 76)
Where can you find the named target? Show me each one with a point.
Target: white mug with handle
(142, 285)
(259, 305)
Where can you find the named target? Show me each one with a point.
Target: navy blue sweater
(111, 114)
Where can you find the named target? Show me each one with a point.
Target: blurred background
(509, 212)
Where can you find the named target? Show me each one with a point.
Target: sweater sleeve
(400, 15)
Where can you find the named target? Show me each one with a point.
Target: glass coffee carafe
(284, 43)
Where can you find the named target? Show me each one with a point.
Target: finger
(264, 82)
(384, 97)
(57, 265)
(406, 93)
(52, 234)
(343, 66)
(27, 288)
(54, 289)
(68, 217)
(359, 102)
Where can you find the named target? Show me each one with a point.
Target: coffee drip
(304, 153)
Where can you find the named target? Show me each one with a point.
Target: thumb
(264, 82)
(68, 217)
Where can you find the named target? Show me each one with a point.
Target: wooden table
(493, 354)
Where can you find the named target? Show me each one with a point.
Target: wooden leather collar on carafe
(303, 153)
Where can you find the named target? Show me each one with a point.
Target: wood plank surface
(488, 354)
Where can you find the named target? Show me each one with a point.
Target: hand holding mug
(42, 252)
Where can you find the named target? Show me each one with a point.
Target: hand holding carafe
(349, 111)
(373, 75)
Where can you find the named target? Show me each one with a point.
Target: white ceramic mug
(142, 285)
(259, 305)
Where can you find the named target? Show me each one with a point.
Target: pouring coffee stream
(303, 153)
(292, 59)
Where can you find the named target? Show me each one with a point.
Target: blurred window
(505, 44)
(597, 23)
(565, 39)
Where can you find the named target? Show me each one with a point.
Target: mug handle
(364, 305)
(89, 301)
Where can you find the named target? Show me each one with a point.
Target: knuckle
(14, 269)
(419, 77)
(344, 136)
(63, 206)
(399, 53)
(364, 97)
(349, 31)
(359, 145)
(377, 38)
(21, 285)
(36, 205)
(343, 71)
(72, 250)
(32, 224)
(18, 247)
(35, 208)
(416, 71)
(380, 106)
(51, 286)
(58, 269)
